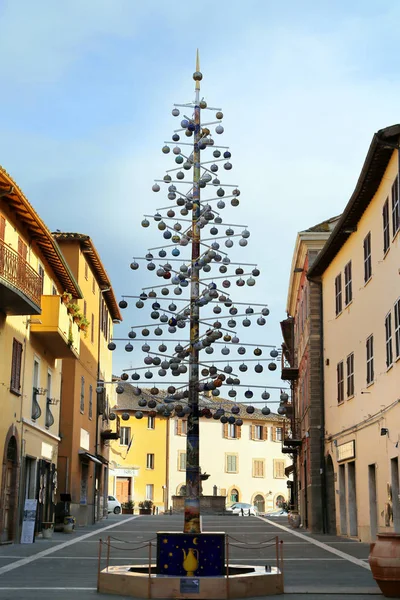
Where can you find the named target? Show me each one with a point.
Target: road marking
(24, 561)
(344, 555)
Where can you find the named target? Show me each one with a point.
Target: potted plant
(77, 317)
(145, 507)
(73, 308)
(128, 507)
(66, 298)
(83, 323)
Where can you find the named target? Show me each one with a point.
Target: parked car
(281, 512)
(242, 508)
(114, 505)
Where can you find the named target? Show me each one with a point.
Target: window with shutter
(257, 432)
(2, 228)
(265, 432)
(92, 329)
(258, 467)
(178, 427)
(231, 463)
(279, 469)
(15, 384)
(181, 461)
(225, 430)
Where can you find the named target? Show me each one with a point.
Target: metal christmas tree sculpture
(195, 188)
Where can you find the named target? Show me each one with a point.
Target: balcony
(292, 435)
(288, 372)
(109, 434)
(56, 329)
(20, 285)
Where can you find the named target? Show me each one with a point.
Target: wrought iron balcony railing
(16, 271)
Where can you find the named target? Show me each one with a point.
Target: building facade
(84, 447)
(36, 335)
(139, 456)
(359, 273)
(302, 367)
(244, 464)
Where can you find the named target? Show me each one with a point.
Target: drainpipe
(96, 446)
(322, 405)
(166, 487)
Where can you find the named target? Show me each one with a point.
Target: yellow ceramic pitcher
(191, 561)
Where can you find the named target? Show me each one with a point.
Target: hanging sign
(28, 524)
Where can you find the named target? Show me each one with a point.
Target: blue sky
(87, 92)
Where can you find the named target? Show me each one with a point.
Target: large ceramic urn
(384, 560)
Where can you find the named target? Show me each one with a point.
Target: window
(277, 433)
(15, 384)
(367, 258)
(90, 402)
(2, 228)
(180, 427)
(151, 422)
(92, 329)
(397, 327)
(279, 469)
(181, 461)
(82, 394)
(388, 339)
(386, 226)
(258, 467)
(350, 375)
(232, 430)
(54, 290)
(348, 284)
(150, 461)
(93, 285)
(340, 382)
(257, 432)
(41, 275)
(104, 319)
(125, 436)
(231, 463)
(86, 270)
(84, 308)
(395, 207)
(149, 491)
(370, 359)
(338, 294)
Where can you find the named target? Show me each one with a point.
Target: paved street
(66, 566)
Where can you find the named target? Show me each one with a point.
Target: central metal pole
(193, 480)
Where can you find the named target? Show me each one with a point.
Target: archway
(279, 499)
(259, 503)
(9, 491)
(233, 495)
(330, 497)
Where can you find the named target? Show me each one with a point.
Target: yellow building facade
(84, 448)
(36, 334)
(139, 457)
(359, 271)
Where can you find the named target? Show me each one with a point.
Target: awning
(289, 470)
(83, 454)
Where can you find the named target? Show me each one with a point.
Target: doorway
(10, 492)
(373, 507)
(394, 468)
(234, 495)
(330, 497)
(352, 499)
(342, 499)
(259, 503)
(123, 491)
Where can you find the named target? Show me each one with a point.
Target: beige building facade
(359, 271)
(245, 463)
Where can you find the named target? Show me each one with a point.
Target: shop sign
(28, 524)
(346, 451)
(126, 472)
(85, 439)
